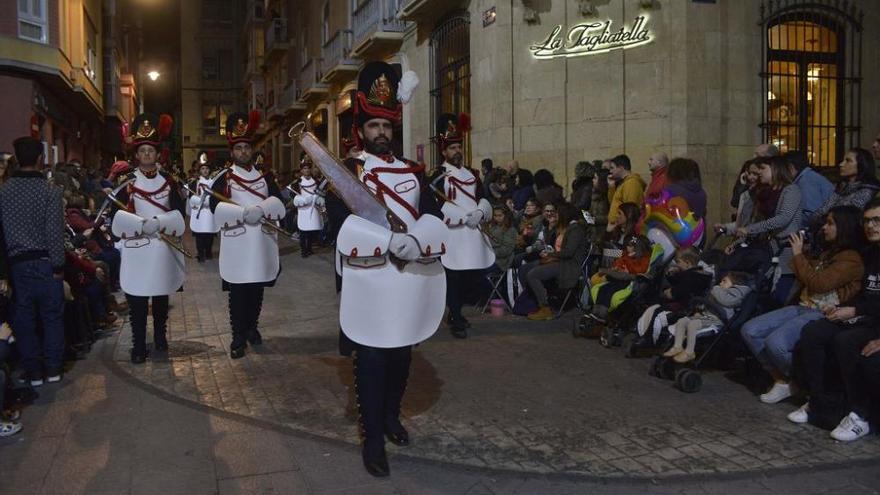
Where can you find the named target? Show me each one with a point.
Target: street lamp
(153, 75)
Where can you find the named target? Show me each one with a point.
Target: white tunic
(468, 248)
(201, 219)
(248, 253)
(308, 216)
(150, 267)
(382, 304)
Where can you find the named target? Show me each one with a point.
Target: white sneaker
(9, 428)
(779, 392)
(801, 415)
(851, 427)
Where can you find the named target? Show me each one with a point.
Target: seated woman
(502, 235)
(850, 336)
(618, 231)
(779, 204)
(561, 263)
(831, 280)
(537, 235)
(858, 182)
(745, 202)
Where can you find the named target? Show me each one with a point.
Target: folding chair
(582, 279)
(495, 279)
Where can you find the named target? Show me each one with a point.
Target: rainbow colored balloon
(673, 215)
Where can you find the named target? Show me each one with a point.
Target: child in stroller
(685, 279)
(611, 287)
(710, 313)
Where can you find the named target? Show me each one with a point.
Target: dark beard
(456, 160)
(243, 164)
(375, 148)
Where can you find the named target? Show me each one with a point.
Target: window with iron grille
(451, 70)
(812, 77)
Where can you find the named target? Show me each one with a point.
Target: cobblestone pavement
(515, 396)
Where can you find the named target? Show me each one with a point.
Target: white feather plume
(408, 84)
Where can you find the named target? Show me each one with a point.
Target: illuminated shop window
(812, 80)
(451, 69)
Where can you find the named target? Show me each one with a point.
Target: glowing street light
(153, 75)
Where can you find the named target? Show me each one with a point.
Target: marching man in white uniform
(150, 267)
(201, 219)
(308, 209)
(469, 253)
(392, 280)
(248, 249)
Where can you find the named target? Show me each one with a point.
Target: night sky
(161, 52)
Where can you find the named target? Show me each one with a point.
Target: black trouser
(380, 377)
(457, 283)
(204, 245)
(306, 239)
(138, 306)
(245, 304)
(860, 375)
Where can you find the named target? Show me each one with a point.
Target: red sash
(457, 184)
(382, 190)
(146, 196)
(244, 185)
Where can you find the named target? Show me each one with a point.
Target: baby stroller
(718, 345)
(601, 321)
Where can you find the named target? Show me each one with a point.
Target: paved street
(519, 407)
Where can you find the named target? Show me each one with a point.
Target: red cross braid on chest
(456, 185)
(146, 196)
(244, 183)
(382, 190)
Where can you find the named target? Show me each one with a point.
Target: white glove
(151, 226)
(404, 247)
(473, 218)
(194, 202)
(319, 201)
(302, 201)
(252, 215)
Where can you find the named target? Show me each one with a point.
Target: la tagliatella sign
(591, 38)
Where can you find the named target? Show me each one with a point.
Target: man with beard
(248, 250)
(392, 281)
(150, 268)
(468, 253)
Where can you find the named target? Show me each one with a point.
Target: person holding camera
(832, 279)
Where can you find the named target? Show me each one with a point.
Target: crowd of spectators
(817, 333)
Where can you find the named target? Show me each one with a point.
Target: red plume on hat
(464, 123)
(165, 125)
(253, 120)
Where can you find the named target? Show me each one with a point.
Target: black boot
(137, 315)
(370, 367)
(395, 386)
(160, 323)
(255, 307)
(238, 319)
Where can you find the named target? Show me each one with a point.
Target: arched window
(451, 69)
(812, 78)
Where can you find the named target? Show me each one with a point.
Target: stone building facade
(551, 83)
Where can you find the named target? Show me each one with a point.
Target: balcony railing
(289, 97)
(376, 15)
(336, 51)
(276, 35)
(310, 75)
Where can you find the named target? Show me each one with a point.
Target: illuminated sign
(591, 38)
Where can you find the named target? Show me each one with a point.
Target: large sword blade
(349, 188)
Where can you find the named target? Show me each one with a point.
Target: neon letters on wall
(591, 38)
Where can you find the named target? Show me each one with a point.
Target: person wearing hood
(582, 186)
(631, 187)
(658, 164)
(684, 180)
